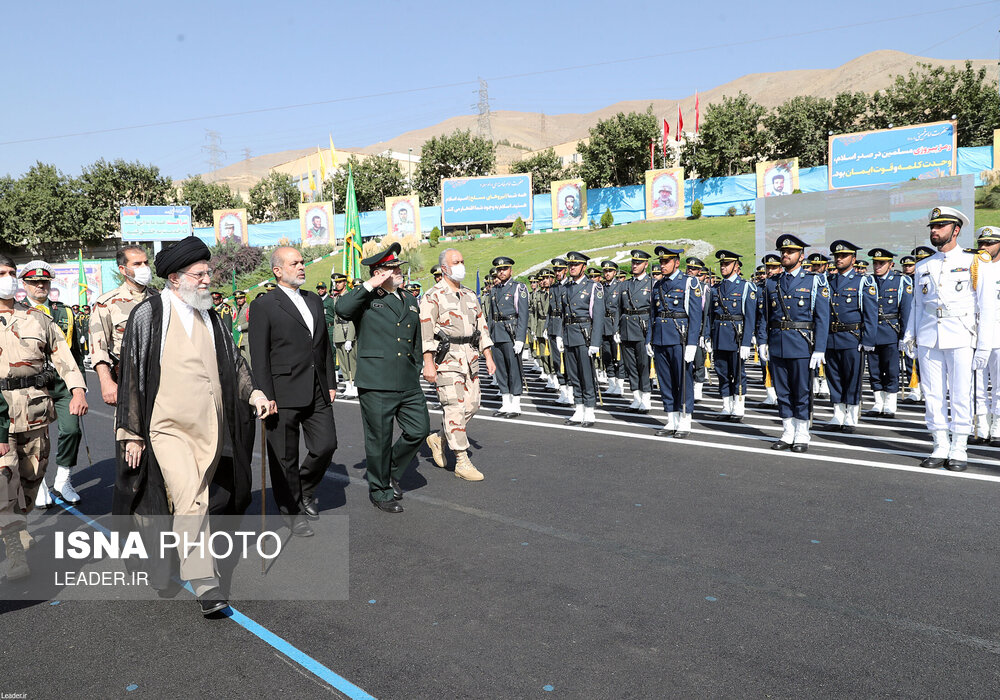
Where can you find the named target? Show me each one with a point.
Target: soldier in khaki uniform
(111, 310)
(342, 335)
(29, 340)
(454, 334)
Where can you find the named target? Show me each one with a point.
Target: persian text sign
(485, 200)
(922, 152)
(155, 223)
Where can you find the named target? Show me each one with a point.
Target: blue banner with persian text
(880, 157)
(485, 200)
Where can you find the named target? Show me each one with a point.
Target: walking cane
(263, 483)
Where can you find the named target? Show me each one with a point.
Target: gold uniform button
(399, 354)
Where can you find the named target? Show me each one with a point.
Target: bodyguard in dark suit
(508, 326)
(293, 366)
(732, 318)
(797, 308)
(676, 315)
(390, 359)
(853, 325)
(895, 300)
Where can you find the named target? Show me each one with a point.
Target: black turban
(184, 252)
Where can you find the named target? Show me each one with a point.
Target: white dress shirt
(300, 304)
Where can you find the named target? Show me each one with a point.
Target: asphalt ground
(597, 563)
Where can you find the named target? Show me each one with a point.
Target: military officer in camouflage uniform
(579, 341)
(454, 335)
(111, 311)
(508, 324)
(610, 351)
(37, 277)
(342, 335)
(33, 351)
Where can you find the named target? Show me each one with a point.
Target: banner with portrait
(776, 178)
(665, 193)
(569, 203)
(402, 214)
(316, 223)
(230, 225)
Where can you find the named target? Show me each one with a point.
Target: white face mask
(8, 285)
(457, 272)
(143, 275)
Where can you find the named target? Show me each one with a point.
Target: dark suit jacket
(390, 354)
(286, 359)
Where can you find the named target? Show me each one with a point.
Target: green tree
(933, 93)
(730, 140)
(800, 127)
(545, 167)
(274, 198)
(203, 197)
(375, 178)
(518, 228)
(618, 151)
(43, 206)
(108, 187)
(459, 155)
(607, 218)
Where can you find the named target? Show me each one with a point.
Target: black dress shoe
(397, 492)
(932, 462)
(511, 414)
(800, 447)
(302, 528)
(779, 445)
(587, 424)
(665, 432)
(681, 434)
(211, 602)
(391, 506)
(499, 414)
(570, 421)
(977, 440)
(847, 429)
(994, 442)
(643, 411)
(310, 508)
(872, 413)
(956, 465)
(735, 419)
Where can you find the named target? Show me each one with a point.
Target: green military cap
(593, 272)
(502, 261)
(268, 286)
(241, 293)
(386, 258)
(436, 271)
(546, 272)
(621, 275)
(322, 285)
(338, 276)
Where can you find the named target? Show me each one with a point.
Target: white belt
(945, 312)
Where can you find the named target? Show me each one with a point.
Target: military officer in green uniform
(37, 277)
(342, 335)
(241, 324)
(222, 307)
(390, 360)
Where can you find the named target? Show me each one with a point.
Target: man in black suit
(293, 365)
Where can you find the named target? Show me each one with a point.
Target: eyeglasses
(207, 274)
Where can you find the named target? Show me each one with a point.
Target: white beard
(200, 299)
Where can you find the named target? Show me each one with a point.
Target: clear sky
(73, 67)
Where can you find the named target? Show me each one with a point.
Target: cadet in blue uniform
(818, 263)
(732, 318)
(672, 339)
(553, 327)
(695, 267)
(634, 298)
(853, 326)
(895, 301)
(582, 330)
(797, 308)
(610, 356)
(772, 268)
(508, 324)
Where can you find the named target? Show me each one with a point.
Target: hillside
(867, 73)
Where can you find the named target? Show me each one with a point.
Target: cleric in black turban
(184, 252)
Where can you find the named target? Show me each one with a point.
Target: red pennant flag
(666, 135)
(680, 124)
(696, 114)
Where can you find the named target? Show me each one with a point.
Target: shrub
(696, 208)
(518, 228)
(474, 233)
(435, 236)
(731, 211)
(234, 256)
(607, 219)
(746, 208)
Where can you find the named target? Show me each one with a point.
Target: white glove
(649, 349)
(559, 343)
(708, 346)
(764, 352)
(744, 352)
(689, 352)
(593, 350)
(545, 334)
(518, 347)
(980, 359)
(909, 346)
(348, 345)
(618, 338)
(867, 348)
(816, 360)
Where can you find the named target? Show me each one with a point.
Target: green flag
(83, 280)
(352, 231)
(236, 333)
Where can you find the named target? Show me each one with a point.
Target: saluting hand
(380, 275)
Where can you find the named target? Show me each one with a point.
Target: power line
(395, 93)
(214, 149)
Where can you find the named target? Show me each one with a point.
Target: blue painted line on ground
(258, 630)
